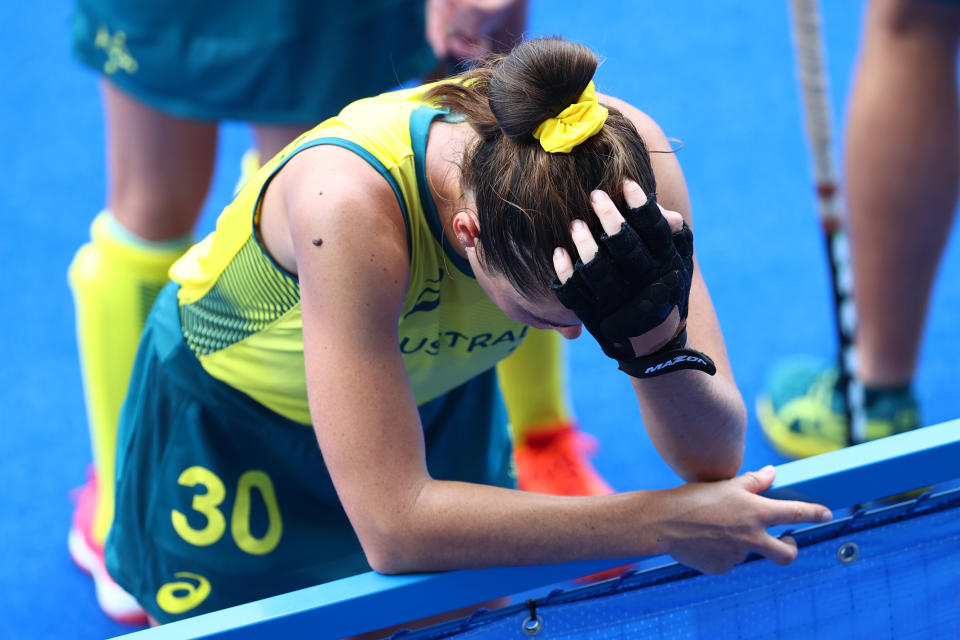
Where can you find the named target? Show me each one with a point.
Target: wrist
(680, 335)
(671, 357)
(657, 507)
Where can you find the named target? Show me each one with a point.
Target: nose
(570, 332)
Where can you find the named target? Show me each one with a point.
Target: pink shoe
(555, 459)
(115, 602)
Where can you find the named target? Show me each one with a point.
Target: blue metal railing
(371, 601)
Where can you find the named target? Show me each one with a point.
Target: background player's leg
(551, 455)
(268, 140)
(902, 158)
(902, 163)
(271, 139)
(160, 167)
(159, 172)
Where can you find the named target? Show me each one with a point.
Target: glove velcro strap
(673, 356)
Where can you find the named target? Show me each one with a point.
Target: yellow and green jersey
(240, 312)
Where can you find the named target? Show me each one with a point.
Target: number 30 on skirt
(208, 505)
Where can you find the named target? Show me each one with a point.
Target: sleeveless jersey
(240, 312)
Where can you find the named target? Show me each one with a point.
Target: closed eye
(550, 323)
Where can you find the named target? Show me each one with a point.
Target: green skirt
(280, 62)
(221, 501)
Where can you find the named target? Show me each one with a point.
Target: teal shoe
(802, 410)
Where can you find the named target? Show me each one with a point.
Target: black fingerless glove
(633, 283)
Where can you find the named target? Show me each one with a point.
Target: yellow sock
(532, 383)
(114, 278)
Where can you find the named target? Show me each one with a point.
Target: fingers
(583, 240)
(610, 217)
(674, 219)
(633, 193)
(611, 220)
(782, 551)
(635, 197)
(562, 264)
(757, 481)
(794, 512)
(437, 17)
(467, 47)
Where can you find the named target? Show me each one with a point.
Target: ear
(466, 226)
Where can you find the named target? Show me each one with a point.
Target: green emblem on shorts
(115, 46)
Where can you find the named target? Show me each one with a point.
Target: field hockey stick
(813, 87)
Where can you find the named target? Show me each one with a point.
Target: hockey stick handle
(816, 104)
(813, 84)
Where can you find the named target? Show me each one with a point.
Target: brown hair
(526, 198)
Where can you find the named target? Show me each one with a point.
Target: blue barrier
(371, 601)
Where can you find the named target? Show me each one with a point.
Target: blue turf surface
(719, 76)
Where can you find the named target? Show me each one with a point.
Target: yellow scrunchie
(573, 125)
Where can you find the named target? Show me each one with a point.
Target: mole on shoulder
(317, 241)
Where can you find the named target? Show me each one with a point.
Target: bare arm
(366, 419)
(368, 428)
(696, 421)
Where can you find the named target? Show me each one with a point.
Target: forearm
(708, 526)
(696, 421)
(453, 525)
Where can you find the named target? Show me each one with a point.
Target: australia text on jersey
(454, 340)
(429, 299)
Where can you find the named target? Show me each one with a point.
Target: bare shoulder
(671, 185)
(330, 187)
(331, 197)
(333, 220)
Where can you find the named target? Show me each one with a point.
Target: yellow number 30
(208, 503)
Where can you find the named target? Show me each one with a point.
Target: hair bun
(537, 80)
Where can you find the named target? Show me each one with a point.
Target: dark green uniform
(283, 61)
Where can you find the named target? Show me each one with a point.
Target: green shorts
(221, 501)
(284, 61)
